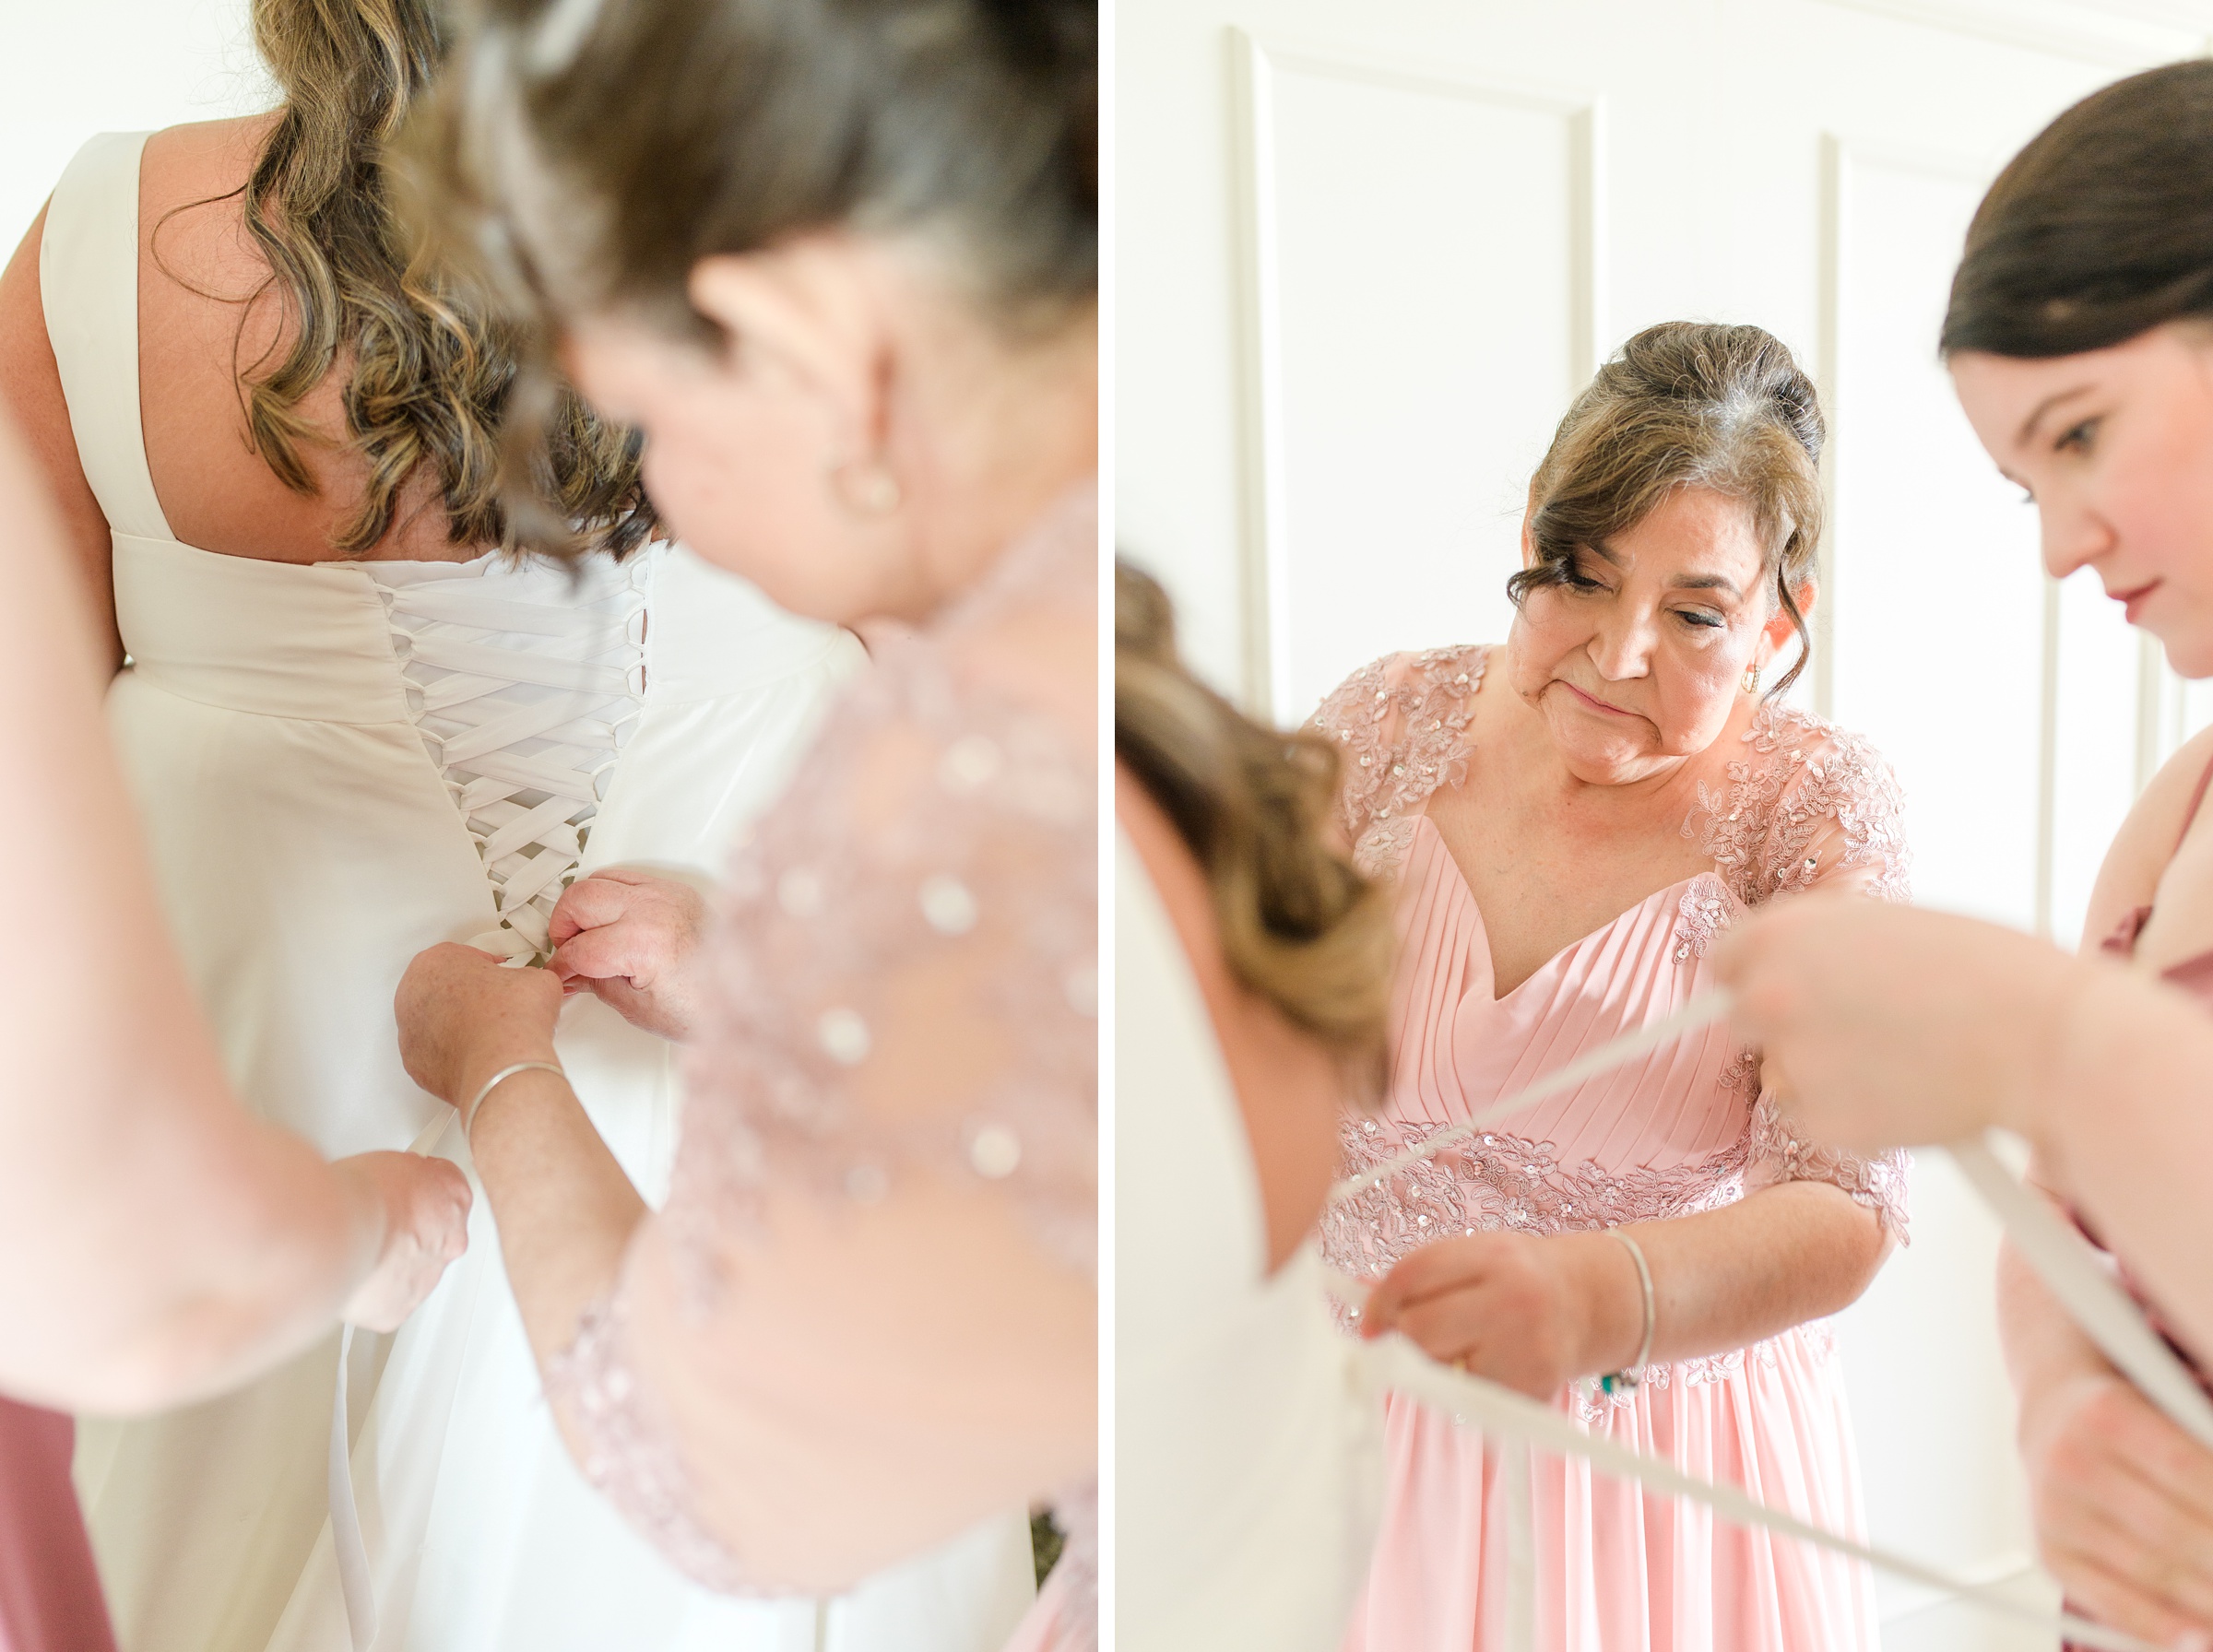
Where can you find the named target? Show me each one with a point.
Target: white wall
(69, 68)
(1367, 252)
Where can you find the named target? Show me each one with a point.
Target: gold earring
(864, 486)
(1752, 678)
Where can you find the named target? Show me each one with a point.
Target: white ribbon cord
(347, 1547)
(2062, 1258)
(346, 1521)
(1707, 1008)
(1518, 1472)
(1391, 1362)
(2071, 1271)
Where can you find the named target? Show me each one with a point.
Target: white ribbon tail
(1710, 1006)
(1396, 1363)
(347, 1547)
(346, 1544)
(2064, 1260)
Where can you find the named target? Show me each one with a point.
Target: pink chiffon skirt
(1619, 1570)
(50, 1598)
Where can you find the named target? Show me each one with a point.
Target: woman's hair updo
(1686, 405)
(2101, 230)
(590, 153)
(603, 148)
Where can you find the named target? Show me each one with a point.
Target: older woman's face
(1638, 663)
(2116, 447)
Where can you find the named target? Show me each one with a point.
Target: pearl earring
(1752, 678)
(864, 486)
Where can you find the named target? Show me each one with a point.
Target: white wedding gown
(1248, 1445)
(337, 766)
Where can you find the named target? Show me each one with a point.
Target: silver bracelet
(468, 1114)
(1621, 1381)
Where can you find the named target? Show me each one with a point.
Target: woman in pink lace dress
(838, 263)
(1571, 819)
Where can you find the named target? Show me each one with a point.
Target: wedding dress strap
(89, 287)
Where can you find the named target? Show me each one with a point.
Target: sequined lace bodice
(904, 990)
(1684, 1130)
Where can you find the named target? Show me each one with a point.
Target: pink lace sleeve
(1401, 728)
(1810, 807)
(866, 1318)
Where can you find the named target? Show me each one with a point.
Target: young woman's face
(1640, 660)
(2115, 446)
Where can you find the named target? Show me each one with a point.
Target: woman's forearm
(162, 1242)
(565, 1210)
(1725, 1278)
(2123, 1125)
(2043, 1347)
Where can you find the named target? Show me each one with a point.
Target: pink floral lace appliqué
(1402, 727)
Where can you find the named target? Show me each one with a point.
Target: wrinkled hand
(2124, 1506)
(1531, 1313)
(463, 1017)
(629, 937)
(425, 1206)
(1888, 1026)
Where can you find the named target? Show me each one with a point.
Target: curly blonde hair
(429, 363)
(1299, 925)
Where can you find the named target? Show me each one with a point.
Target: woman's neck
(1010, 429)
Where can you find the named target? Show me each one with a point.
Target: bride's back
(211, 308)
(308, 390)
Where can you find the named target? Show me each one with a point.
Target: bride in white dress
(341, 761)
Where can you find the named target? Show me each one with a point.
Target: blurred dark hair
(2100, 230)
(1687, 405)
(1299, 925)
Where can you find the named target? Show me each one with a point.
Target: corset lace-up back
(524, 690)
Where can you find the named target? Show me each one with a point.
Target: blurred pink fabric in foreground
(50, 1598)
(1684, 1129)
(867, 1309)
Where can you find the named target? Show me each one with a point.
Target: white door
(1365, 254)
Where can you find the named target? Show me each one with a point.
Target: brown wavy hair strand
(1299, 925)
(429, 364)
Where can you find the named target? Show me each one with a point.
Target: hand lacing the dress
(524, 692)
(942, 835)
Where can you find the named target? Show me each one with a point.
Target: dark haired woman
(355, 728)
(2079, 338)
(839, 265)
(1571, 821)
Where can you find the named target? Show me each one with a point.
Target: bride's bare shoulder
(190, 181)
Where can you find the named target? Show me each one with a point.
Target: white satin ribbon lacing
(2061, 1258)
(524, 689)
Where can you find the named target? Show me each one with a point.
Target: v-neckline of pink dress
(1552, 964)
